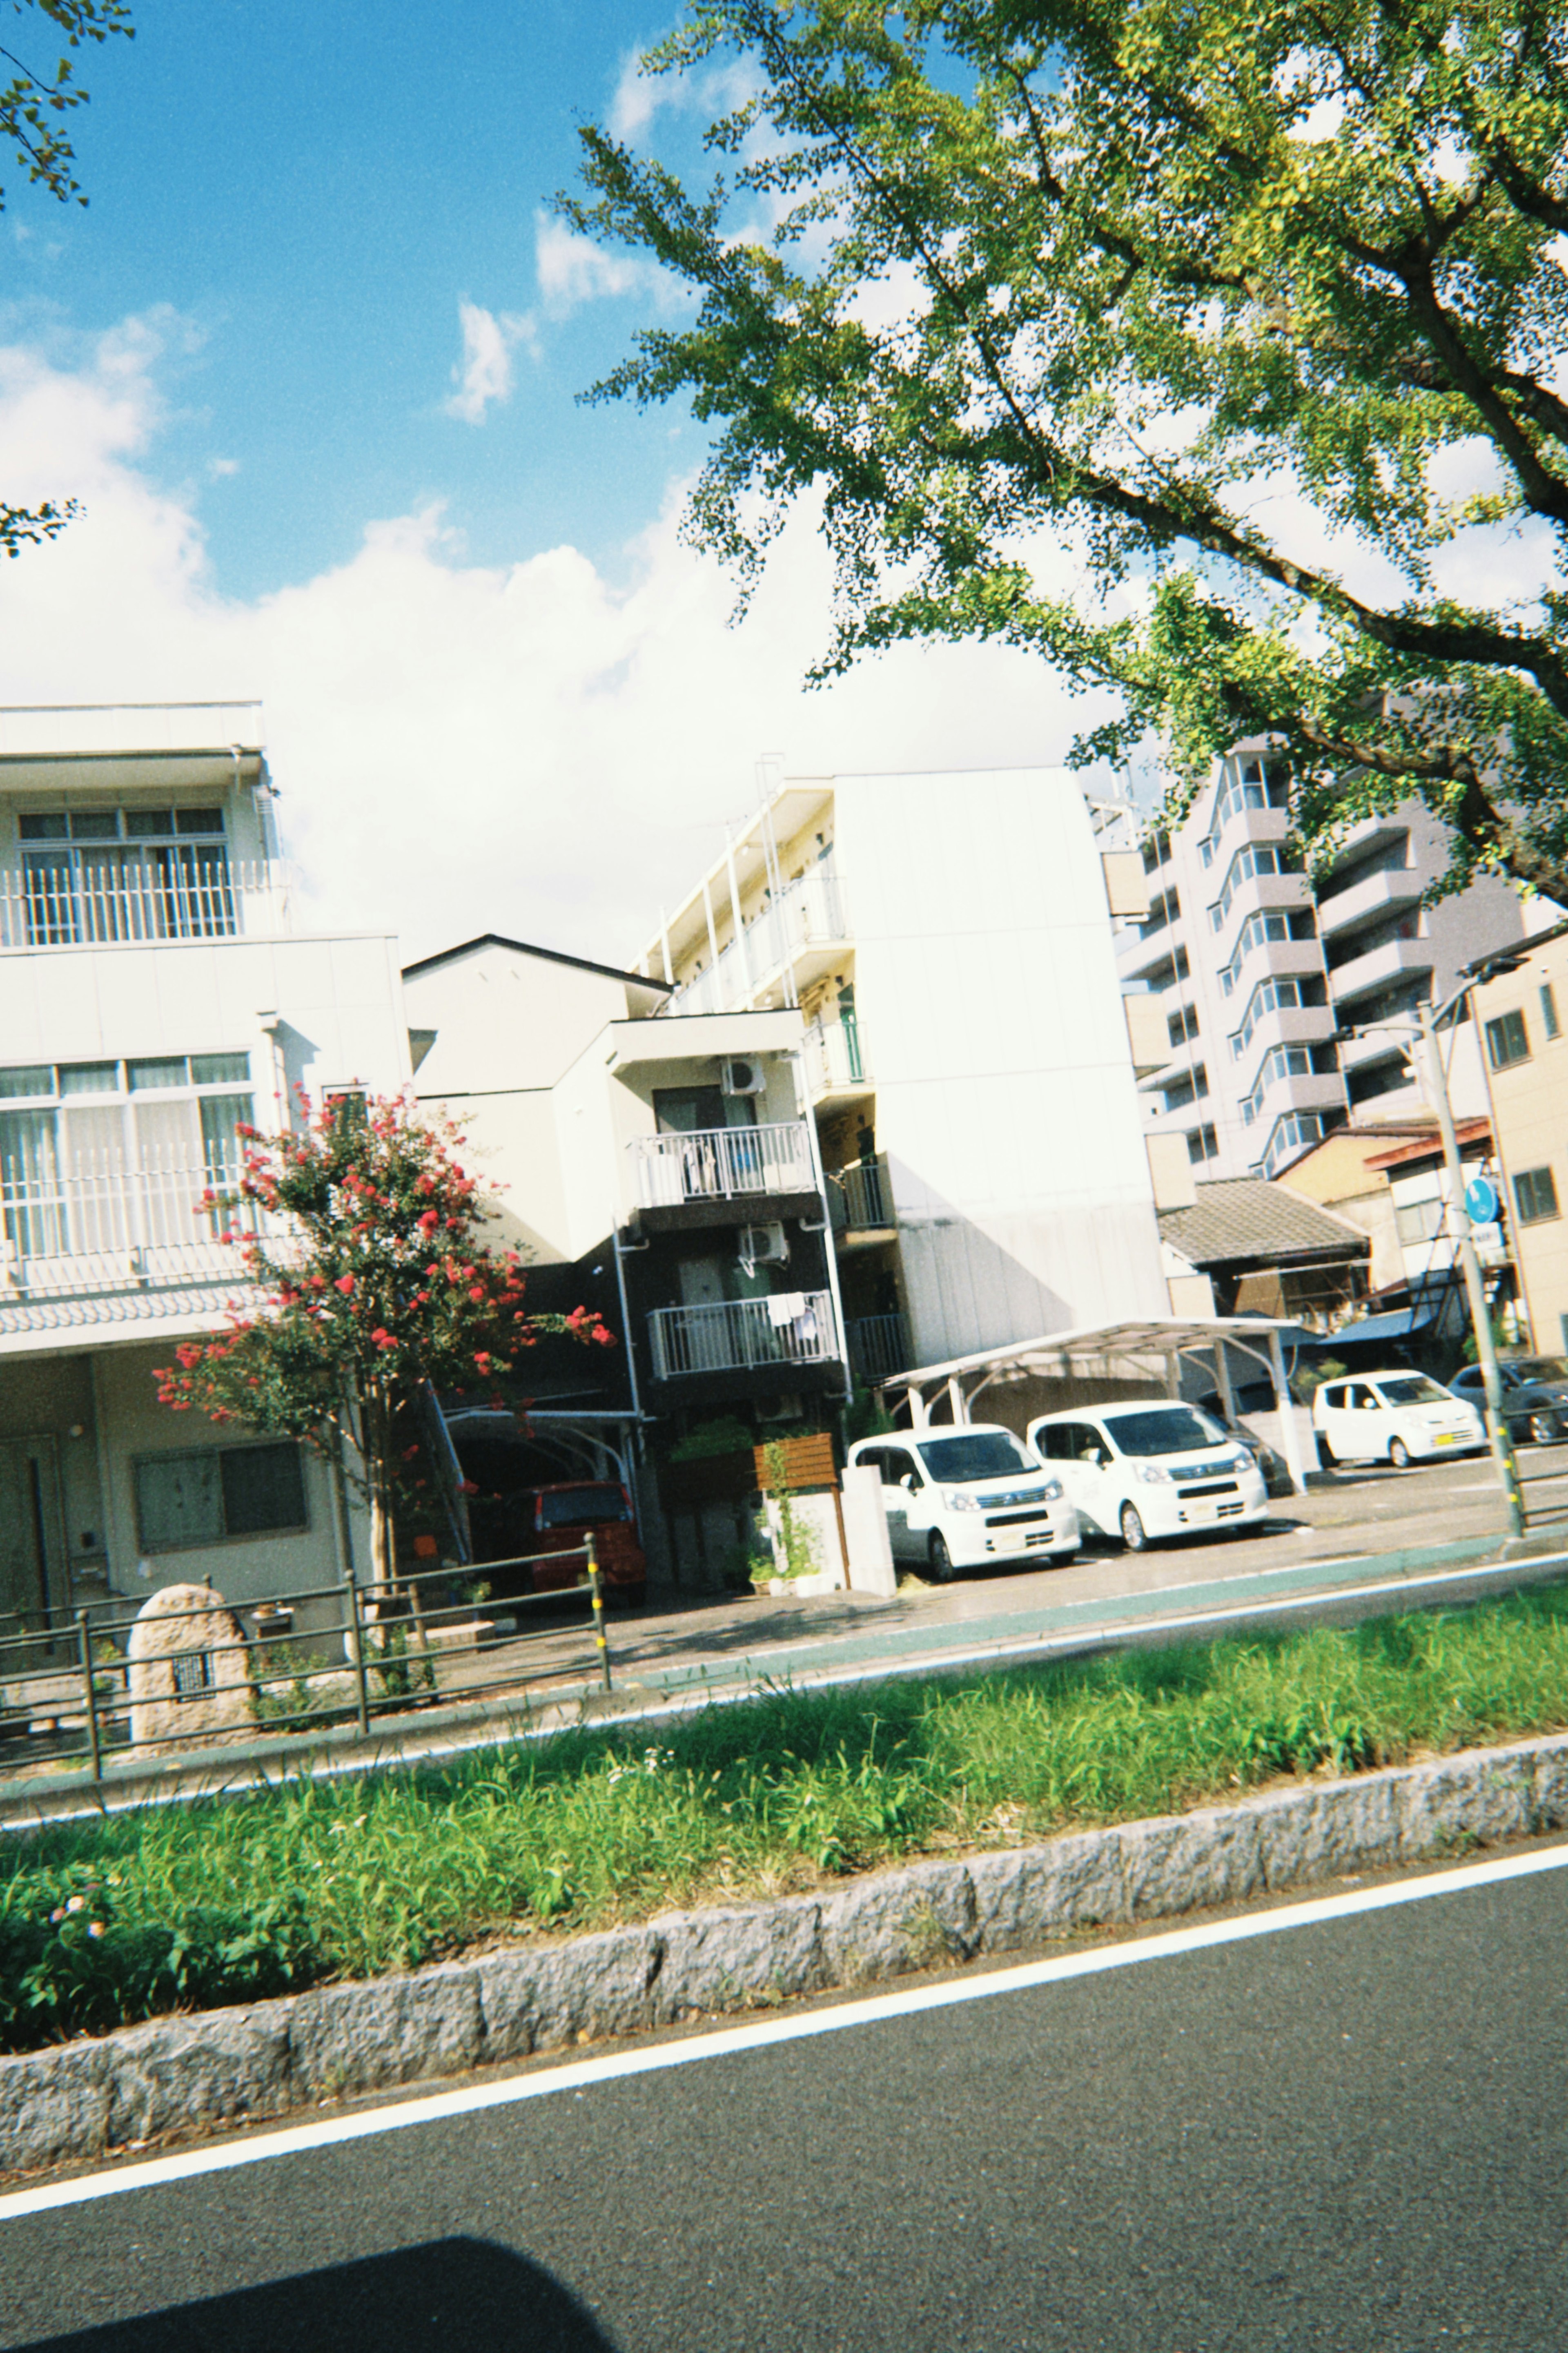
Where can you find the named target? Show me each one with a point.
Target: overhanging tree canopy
(1260, 308)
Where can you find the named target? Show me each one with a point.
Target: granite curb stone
(75, 2100)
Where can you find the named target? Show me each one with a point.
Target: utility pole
(1481, 1318)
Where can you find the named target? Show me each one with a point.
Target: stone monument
(185, 1665)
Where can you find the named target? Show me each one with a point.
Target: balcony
(170, 895)
(1388, 892)
(104, 1230)
(835, 1063)
(806, 924)
(860, 1202)
(722, 1164)
(738, 1334)
(878, 1347)
(1359, 976)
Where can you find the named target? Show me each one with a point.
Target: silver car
(1534, 1396)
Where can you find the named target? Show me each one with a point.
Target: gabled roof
(1243, 1218)
(1430, 1147)
(549, 956)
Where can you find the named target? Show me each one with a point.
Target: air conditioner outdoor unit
(762, 1246)
(741, 1076)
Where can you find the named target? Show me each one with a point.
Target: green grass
(225, 1901)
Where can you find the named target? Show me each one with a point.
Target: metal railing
(72, 1693)
(733, 1334)
(184, 895)
(103, 1225)
(722, 1164)
(860, 1199)
(832, 1055)
(808, 911)
(879, 1345)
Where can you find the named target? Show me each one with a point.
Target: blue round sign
(1480, 1200)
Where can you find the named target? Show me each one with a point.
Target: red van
(556, 1519)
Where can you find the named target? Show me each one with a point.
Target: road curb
(221, 2067)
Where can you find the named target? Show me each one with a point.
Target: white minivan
(967, 1498)
(1396, 1417)
(1151, 1468)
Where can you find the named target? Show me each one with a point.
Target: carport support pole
(1222, 1381)
(1480, 1317)
(1288, 1432)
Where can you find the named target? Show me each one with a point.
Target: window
(979, 1454)
(125, 874)
(1297, 1129)
(1203, 1143)
(1253, 858)
(1507, 1040)
(213, 1497)
(1270, 923)
(1535, 1193)
(1419, 1221)
(1549, 1021)
(114, 1156)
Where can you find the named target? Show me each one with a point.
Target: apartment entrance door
(32, 1547)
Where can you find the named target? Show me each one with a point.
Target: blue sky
(313, 190)
(500, 693)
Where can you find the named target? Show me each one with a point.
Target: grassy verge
(222, 1902)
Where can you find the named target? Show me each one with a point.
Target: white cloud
(525, 748)
(484, 375)
(571, 270)
(640, 97)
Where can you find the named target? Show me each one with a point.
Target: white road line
(728, 2042)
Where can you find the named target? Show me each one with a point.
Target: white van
(1151, 1468)
(966, 1497)
(1397, 1417)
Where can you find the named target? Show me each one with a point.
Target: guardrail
(189, 892)
(732, 1335)
(97, 1223)
(79, 1694)
(722, 1163)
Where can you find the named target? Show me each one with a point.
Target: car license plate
(1446, 1437)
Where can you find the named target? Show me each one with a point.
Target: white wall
(990, 1016)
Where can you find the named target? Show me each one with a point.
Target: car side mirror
(907, 1483)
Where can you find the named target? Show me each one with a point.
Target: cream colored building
(948, 941)
(1523, 1017)
(155, 992)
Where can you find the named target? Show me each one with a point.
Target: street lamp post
(1481, 1318)
(1429, 1020)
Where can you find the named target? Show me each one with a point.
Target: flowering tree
(362, 1234)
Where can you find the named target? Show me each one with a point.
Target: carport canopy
(1149, 1347)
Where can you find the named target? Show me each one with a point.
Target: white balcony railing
(833, 1056)
(107, 1228)
(721, 1163)
(807, 912)
(733, 1334)
(860, 1199)
(177, 896)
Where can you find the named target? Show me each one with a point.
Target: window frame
(164, 1456)
(1501, 1057)
(1533, 1176)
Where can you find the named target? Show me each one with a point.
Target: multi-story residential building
(1523, 1016)
(154, 994)
(1257, 970)
(661, 1171)
(947, 939)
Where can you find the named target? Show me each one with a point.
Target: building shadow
(464, 2292)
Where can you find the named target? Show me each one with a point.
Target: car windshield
(582, 1507)
(1540, 1368)
(1164, 1430)
(1413, 1388)
(982, 1454)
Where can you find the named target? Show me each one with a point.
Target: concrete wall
(989, 1003)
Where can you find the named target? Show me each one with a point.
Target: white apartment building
(947, 939)
(155, 993)
(661, 1171)
(1254, 970)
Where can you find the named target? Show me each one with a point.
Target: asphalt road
(1341, 2137)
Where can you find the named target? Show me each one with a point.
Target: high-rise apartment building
(1258, 969)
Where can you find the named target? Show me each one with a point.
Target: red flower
(345, 1284)
(382, 1337)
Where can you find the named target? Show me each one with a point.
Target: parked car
(1151, 1468)
(1397, 1417)
(967, 1498)
(1534, 1396)
(512, 1515)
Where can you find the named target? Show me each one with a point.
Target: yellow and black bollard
(596, 1592)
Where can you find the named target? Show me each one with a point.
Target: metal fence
(722, 1163)
(860, 1197)
(98, 1222)
(71, 1692)
(731, 1335)
(879, 1345)
(184, 894)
